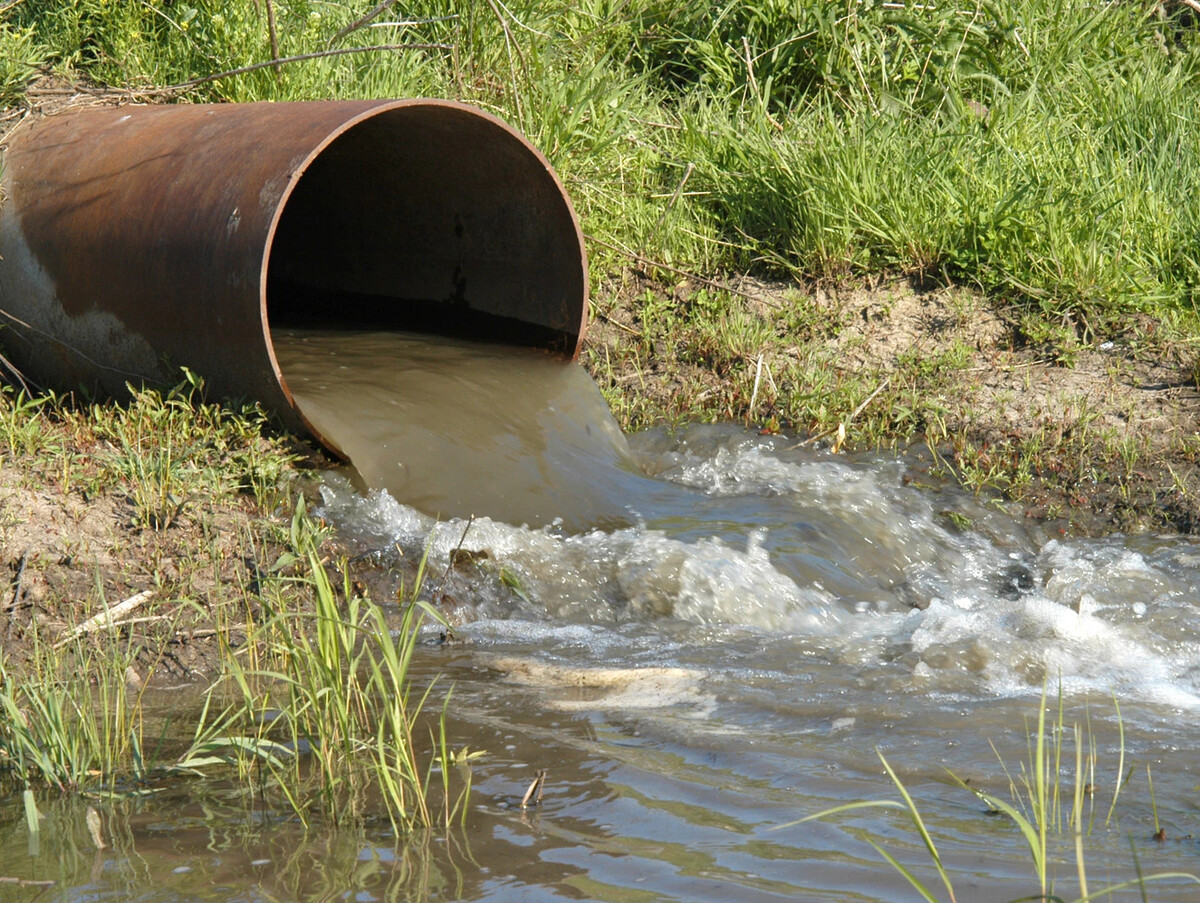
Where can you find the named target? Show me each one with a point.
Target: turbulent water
(703, 637)
(735, 624)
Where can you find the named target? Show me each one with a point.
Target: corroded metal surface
(135, 240)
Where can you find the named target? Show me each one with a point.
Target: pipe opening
(429, 217)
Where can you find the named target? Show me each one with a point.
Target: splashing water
(713, 533)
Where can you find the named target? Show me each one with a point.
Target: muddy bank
(1096, 436)
(171, 511)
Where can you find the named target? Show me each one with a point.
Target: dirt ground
(72, 557)
(1101, 436)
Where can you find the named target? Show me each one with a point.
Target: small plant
(23, 429)
(335, 684)
(1037, 810)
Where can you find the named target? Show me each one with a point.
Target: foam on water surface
(712, 536)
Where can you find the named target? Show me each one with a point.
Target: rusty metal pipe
(135, 240)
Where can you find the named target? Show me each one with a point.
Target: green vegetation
(309, 700)
(337, 681)
(1041, 154)
(1033, 157)
(1042, 150)
(1052, 798)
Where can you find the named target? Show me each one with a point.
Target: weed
(1036, 811)
(337, 714)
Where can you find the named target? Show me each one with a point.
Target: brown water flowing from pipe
(136, 240)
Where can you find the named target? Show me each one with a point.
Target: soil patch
(1101, 437)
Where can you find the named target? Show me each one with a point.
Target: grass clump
(335, 684)
(1051, 798)
(322, 710)
(173, 507)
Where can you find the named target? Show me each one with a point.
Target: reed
(1038, 807)
(330, 718)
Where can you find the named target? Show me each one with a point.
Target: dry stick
(17, 587)
(24, 882)
(842, 425)
(617, 323)
(510, 44)
(711, 283)
(359, 23)
(108, 617)
(196, 82)
(662, 218)
(274, 36)
(454, 555)
(200, 633)
(762, 104)
(69, 347)
(757, 382)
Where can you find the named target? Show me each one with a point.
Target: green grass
(1050, 798)
(1042, 150)
(1039, 153)
(315, 706)
(177, 502)
(335, 682)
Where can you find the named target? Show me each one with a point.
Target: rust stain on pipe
(135, 240)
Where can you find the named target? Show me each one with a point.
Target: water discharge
(703, 636)
(719, 608)
(456, 428)
(715, 529)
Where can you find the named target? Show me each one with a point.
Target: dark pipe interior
(430, 219)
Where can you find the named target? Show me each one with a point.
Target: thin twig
(273, 35)
(454, 555)
(410, 23)
(188, 635)
(843, 424)
(1006, 368)
(196, 82)
(757, 382)
(662, 218)
(617, 323)
(69, 347)
(711, 283)
(762, 104)
(17, 584)
(24, 882)
(510, 44)
(511, 15)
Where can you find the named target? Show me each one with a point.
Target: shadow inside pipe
(308, 308)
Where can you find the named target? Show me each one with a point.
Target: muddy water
(718, 638)
(458, 428)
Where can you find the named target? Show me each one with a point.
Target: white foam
(1100, 616)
